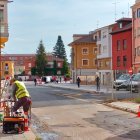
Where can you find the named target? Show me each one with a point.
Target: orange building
(83, 58)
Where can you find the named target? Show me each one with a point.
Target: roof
(84, 39)
(125, 28)
(124, 19)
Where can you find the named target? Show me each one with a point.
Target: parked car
(119, 83)
(126, 84)
(135, 83)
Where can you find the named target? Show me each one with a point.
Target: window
(118, 45)
(124, 44)
(118, 61)
(58, 64)
(138, 31)
(104, 49)
(85, 62)
(138, 13)
(120, 25)
(104, 34)
(6, 67)
(124, 61)
(1, 5)
(84, 51)
(94, 61)
(138, 51)
(29, 65)
(107, 63)
(1, 14)
(100, 64)
(95, 50)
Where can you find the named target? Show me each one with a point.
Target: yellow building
(83, 56)
(7, 69)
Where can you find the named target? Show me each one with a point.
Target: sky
(33, 20)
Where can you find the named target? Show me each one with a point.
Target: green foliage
(55, 68)
(65, 68)
(59, 48)
(137, 100)
(33, 71)
(37, 138)
(41, 59)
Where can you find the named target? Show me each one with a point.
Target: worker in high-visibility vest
(21, 95)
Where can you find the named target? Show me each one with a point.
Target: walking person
(97, 83)
(78, 82)
(35, 81)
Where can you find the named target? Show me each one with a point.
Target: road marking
(71, 97)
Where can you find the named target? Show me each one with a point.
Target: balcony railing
(4, 30)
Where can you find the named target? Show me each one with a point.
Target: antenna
(97, 24)
(115, 4)
(122, 14)
(128, 9)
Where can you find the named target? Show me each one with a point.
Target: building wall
(79, 56)
(78, 69)
(24, 62)
(128, 52)
(4, 23)
(7, 69)
(136, 37)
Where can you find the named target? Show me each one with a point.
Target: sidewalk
(123, 105)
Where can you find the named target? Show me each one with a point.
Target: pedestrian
(60, 79)
(97, 83)
(20, 95)
(35, 81)
(78, 82)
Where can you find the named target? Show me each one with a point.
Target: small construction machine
(13, 122)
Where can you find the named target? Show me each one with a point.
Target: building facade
(136, 36)
(122, 46)
(104, 53)
(3, 31)
(24, 63)
(84, 63)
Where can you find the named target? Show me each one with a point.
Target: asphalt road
(98, 121)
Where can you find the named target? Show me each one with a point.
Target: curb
(82, 90)
(119, 108)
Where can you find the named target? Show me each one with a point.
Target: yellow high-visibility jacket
(21, 90)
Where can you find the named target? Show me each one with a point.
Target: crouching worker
(20, 95)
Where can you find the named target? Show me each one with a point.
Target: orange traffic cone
(26, 128)
(138, 113)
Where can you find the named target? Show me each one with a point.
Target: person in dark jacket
(78, 82)
(35, 81)
(97, 83)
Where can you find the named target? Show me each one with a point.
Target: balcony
(4, 30)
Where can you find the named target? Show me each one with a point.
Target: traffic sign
(130, 71)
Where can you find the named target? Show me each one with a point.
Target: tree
(41, 59)
(59, 49)
(65, 69)
(33, 71)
